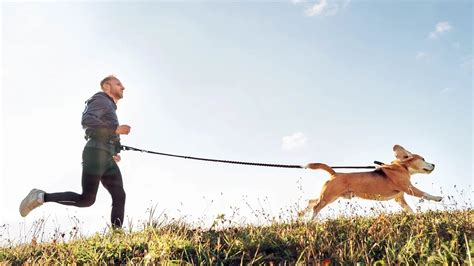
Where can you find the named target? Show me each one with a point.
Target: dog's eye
(405, 157)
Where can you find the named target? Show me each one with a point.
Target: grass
(432, 237)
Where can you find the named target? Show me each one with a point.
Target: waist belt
(106, 140)
(102, 138)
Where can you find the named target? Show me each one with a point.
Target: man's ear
(106, 87)
(401, 153)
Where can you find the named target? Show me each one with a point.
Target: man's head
(112, 87)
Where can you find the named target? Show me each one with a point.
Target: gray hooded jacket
(100, 121)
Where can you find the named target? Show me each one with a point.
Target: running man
(99, 157)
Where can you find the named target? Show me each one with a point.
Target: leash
(128, 148)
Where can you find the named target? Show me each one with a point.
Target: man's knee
(87, 201)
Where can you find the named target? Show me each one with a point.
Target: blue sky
(287, 82)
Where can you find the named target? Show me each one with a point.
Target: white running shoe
(33, 200)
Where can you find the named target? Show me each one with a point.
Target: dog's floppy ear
(401, 153)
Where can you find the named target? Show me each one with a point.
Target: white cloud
(292, 142)
(421, 55)
(317, 9)
(441, 28)
(325, 7)
(446, 90)
(296, 2)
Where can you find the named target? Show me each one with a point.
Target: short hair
(106, 79)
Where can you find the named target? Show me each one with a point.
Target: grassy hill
(434, 237)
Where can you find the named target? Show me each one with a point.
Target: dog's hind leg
(330, 192)
(318, 207)
(401, 200)
(311, 204)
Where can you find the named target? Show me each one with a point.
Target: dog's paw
(437, 198)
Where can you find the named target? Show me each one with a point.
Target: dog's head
(414, 163)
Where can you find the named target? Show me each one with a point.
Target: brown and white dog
(390, 181)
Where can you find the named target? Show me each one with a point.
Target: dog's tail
(321, 166)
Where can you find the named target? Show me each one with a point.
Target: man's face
(116, 88)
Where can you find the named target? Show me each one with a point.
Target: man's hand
(116, 158)
(122, 130)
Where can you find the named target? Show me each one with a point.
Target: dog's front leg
(401, 200)
(412, 190)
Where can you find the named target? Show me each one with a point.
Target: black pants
(97, 167)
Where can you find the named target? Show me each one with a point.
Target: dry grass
(433, 237)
